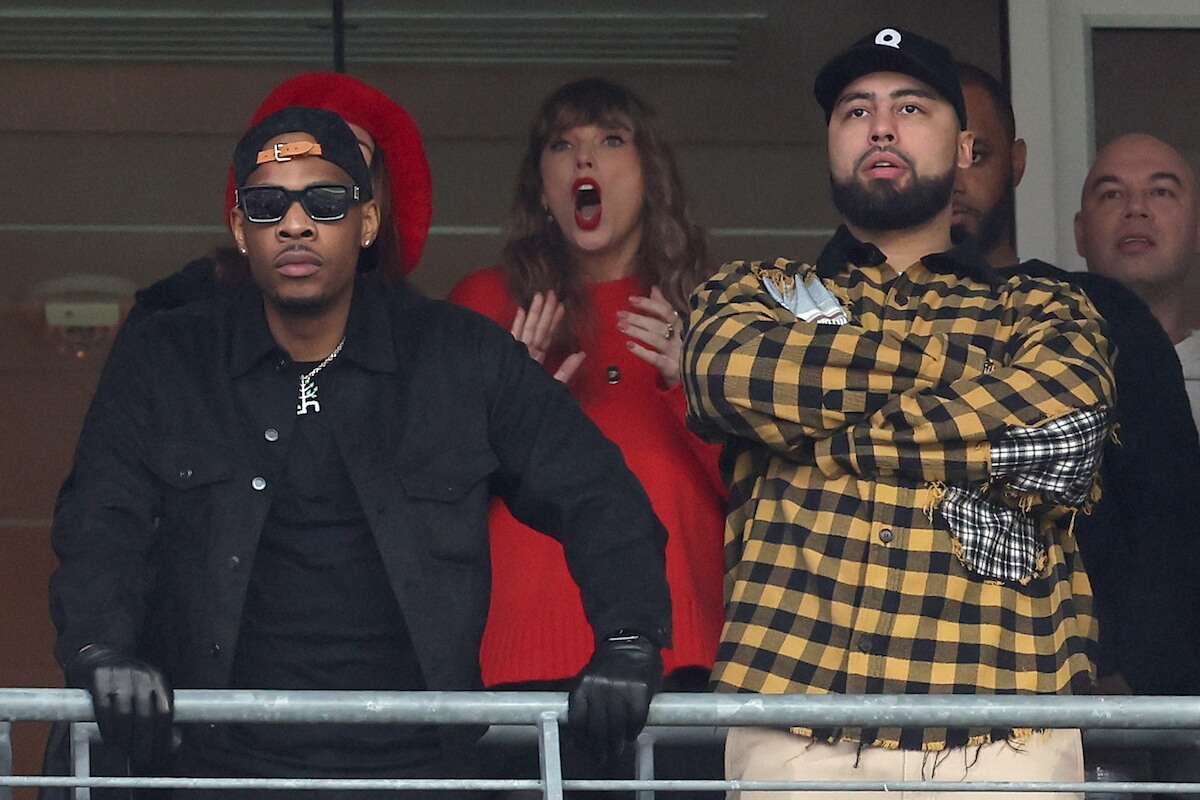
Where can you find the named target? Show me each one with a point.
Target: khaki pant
(771, 754)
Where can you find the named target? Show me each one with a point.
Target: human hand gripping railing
(1164, 720)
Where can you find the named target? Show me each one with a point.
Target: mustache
(970, 211)
(908, 162)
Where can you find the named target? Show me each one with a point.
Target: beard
(880, 205)
(995, 225)
(304, 307)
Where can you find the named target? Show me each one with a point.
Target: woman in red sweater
(596, 272)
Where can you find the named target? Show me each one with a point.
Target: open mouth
(587, 203)
(884, 167)
(1135, 244)
(883, 164)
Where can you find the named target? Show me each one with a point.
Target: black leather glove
(131, 699)
(607, 708)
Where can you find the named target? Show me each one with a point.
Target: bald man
(1139, 223)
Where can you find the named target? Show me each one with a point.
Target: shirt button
(866, 642)
(281, 365)
(259, 483)
(233, 562)
(215, 650)
(185, 473)
(886, 535)
(271, 435)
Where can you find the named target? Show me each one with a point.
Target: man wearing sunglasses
(289, 490)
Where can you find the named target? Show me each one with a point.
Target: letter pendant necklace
(308, 389)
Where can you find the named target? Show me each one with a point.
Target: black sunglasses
(323, 202)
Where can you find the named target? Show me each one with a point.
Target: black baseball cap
(892, 50)
(338, 144)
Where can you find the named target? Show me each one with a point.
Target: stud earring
(366, 243)
(242, 250)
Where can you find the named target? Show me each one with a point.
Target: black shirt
(319, 613)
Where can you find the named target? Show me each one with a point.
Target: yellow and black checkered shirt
(842, 575)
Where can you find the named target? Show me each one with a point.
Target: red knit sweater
(536, 628)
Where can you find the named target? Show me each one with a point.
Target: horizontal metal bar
(363, 784)
(1129, 719)
(20, 781)
(719, 710)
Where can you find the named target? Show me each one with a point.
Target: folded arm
(869, 402)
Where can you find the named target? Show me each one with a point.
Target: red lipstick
(587, 203)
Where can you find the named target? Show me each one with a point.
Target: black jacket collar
(368, 330)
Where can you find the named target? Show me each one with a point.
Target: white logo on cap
(888, 37)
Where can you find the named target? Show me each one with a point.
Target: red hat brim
(394, 133)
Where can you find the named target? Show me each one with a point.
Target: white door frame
(1050, 49)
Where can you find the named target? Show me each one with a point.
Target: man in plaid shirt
(908, 439)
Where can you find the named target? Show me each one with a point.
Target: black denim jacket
(438, 409)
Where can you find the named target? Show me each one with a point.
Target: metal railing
(1108, 721)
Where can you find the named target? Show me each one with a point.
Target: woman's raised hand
(534, 327)
(655, 331)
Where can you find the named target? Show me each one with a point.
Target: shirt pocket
(448, 495)
(192, 473)
(185, 465)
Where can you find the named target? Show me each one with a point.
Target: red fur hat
(394, 133)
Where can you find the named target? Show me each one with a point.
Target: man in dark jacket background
(1137, 542)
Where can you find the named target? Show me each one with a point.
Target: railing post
(6, 757)
(644, 764)
(550, 756)
(81, 756)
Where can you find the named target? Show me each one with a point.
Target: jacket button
(259, 483)
(614, 375)
(185, 473)
(233, 562)
(271, 435)
(866, 642)
(215, 650)
(886, 535)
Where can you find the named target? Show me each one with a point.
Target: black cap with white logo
(892, 50)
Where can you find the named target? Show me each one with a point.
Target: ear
(370, 221)
(237, 224)
(1080, 242)
(966, 140)
(1019, 153)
